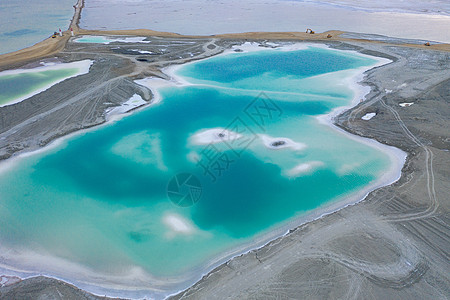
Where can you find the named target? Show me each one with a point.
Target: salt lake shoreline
(350, 44)
(283, 230)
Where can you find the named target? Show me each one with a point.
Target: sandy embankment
(51, 46)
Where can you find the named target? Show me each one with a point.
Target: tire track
(434, 204)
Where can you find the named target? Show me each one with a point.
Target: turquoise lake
(105, 198)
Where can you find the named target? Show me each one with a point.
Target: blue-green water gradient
(14, 86)
(100, 199)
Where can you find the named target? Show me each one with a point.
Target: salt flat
(427, 20)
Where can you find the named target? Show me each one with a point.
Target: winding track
(433, 200)
(434, 203)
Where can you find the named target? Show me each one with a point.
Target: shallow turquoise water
(93, 39)
(14, 86)
(101, 199)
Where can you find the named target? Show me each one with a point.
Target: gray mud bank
(393, 245)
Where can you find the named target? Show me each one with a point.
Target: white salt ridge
(406, 104)
(303, 169)
(254, 46)
(268, 141)
(247, 47)
(154, 84)
(83, 67)
(142, 51)
(368, 116)
(214, 136)
(134, 102)
(272, 44)
(47, 64)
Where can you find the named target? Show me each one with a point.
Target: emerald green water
(15, 86)
(100, 199)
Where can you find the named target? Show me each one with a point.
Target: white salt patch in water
(368, 116)
(406, 104)
(142, 148)
(303, 168)
(177, 225)
(347, 168)
(214, 136)
(83, 67)
(193, 156)
(269, 141)
(132, 103)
